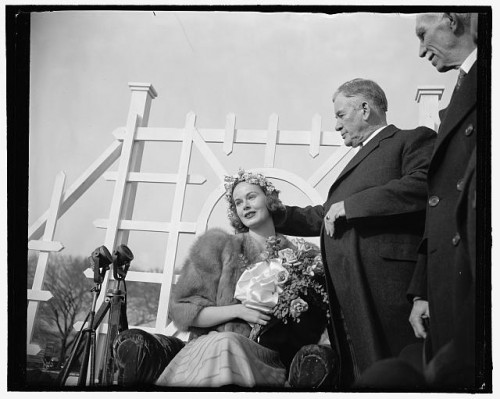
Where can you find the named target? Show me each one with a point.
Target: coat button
(434, 200)
(460, 185)
(456, 239)
(469, 130)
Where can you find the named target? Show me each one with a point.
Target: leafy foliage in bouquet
(303, 283)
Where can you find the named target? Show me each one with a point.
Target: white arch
(278, 174)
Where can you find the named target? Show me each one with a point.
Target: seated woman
(220, 352)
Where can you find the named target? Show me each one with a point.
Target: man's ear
(452, 20)
(366, 110)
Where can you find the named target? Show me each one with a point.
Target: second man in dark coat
(370, 227)
(444, 284)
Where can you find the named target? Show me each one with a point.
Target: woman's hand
(213, 315)
(252, 315)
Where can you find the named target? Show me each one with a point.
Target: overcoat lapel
(442, 114)
(460, 104)
(364, 152)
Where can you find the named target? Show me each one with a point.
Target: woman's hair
(273, 203)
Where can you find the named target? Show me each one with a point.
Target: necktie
(460, 78)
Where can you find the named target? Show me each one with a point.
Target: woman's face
(251, 206)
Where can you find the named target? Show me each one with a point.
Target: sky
(212, 63)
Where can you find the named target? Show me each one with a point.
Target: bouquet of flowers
(287, 284)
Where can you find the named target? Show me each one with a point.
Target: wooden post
(122, 204)
(229, 134)
(173, 237)
(272, 137)
(140, 105)
(315, 136)
(428, 110)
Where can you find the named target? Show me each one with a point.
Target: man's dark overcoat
(439, 278)
(371, 257)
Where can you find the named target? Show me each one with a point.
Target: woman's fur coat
(209, 276)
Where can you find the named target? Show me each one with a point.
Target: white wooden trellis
(45, 247)
(129, 146)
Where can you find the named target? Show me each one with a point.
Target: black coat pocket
(398, 251)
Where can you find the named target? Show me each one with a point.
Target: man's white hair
(464, 17)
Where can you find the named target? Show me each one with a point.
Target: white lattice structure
(428, 98)
(128, 147)
(44, 246)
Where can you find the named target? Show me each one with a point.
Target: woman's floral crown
(259, 179)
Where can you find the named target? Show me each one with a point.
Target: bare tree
(142, 302)
(70, 288)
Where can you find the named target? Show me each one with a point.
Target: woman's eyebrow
(246, 195)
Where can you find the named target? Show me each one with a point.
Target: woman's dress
(224, 358)
(224, 355)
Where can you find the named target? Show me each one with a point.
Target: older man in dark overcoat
(443, 287)
(370, 227)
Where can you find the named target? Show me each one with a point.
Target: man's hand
(419, 312)
(336, 211)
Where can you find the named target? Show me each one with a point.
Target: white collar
(469, 61)
(373, 134)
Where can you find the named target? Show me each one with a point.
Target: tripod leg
(92, 358)
(82, 378)
(123, 316)
(115, 323)
(90, 352)
(89, 335)
(99, 316)
(77, 349)
(89, 342)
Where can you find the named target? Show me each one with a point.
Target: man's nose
(422, 50)
(338, 126)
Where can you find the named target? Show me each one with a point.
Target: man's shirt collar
(469, 61)
(374, 133)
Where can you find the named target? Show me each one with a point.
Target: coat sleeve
(198, 282)
(302, 222)
(418, 283)
(407, 194)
